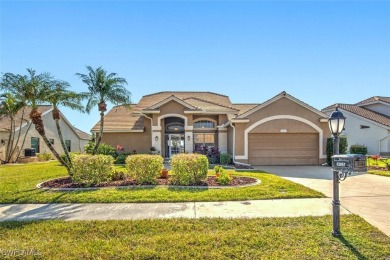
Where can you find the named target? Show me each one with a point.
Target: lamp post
(336, 123)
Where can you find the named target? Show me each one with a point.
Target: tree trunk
(17, 140)
(39, 126)
(24, 140)
(63, 142)
(100, 133)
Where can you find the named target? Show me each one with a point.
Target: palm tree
(9, 106)
(103, 87)
(32, 90)
(59, 95)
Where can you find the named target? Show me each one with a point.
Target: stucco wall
(77, 145)
(380, 108)
(283, 106)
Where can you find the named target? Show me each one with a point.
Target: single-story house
(281, 131)
(367, 123)
(75, 139)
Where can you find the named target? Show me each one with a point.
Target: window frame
(37, 143)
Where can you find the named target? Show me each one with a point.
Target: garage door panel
(283, 149)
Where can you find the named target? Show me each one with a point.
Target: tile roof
(121, 118)
(242, 108)
(5, 121)
(81, 134)
(374, 99)
(363, 112)
(208, 105)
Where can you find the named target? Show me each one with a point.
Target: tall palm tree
(103, 87)
(32, 89)
(59, 95)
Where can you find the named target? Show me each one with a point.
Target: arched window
(204, 124)
(174, 127)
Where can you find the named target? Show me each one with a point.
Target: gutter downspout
(234, 146)
(380, 145)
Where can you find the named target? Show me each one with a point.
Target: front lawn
(17, 185)
(270, 238)
(380, 172)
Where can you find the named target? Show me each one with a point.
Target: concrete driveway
(366, 195)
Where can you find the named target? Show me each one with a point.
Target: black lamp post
(336, 123)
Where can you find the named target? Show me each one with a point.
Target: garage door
(283, 149)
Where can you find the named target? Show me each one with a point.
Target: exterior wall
(366, 136)
(380, 108)
(282, 106)
(230, 140)
(77, 145)
(130, 141)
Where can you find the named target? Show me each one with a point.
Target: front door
(175, 144)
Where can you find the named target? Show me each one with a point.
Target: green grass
(380, 172)
(270, 238)
(17, 185)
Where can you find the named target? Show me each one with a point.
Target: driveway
(366, 195)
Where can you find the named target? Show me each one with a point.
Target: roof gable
(362, 112)
(280, 96)
(373, 100)
(169, 99)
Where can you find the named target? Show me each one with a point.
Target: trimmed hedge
(329, 148)
(189, 169)
(224, 158)
(145, 168)
(358, 149)
(91, 169)
(121, 158)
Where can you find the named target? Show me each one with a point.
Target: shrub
(189, 169)
(224, 158)
(212, 153)
(71, 155)
(144, 168)
(358, 149)
(117, 175)
(224, 177)
(44, 156)
(121, 158)
(103, 148)
(218, 169)
(329, 148)
(91, 169)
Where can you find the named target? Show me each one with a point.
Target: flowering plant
(119, 147)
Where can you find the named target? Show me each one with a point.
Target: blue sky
(319, 52)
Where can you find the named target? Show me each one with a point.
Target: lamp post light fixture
(156, 138)
(336, 123)
(188, 138)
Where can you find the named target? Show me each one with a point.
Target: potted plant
(153, 150)
(164, 173)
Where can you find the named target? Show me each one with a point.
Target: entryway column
(156, 138)
(189, 140)
(222, 140)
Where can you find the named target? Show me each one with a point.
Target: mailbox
(349, 163)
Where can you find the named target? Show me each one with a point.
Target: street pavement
(366, 195)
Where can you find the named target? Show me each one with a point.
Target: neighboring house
(75, 139)
(367, 123)
(280, 131)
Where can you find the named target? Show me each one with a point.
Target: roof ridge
(209, 92)
(211, 102)
(349, 108)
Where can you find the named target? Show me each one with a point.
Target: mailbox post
(336, 124)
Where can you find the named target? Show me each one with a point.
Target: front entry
(174, 136)
(175, 144)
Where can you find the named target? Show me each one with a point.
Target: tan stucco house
(281, 131)
(75, 139)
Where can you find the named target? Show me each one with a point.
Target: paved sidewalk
(226, 209)
(366, 195)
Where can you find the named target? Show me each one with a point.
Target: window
(203, 139)
(35, 144)
(67, 144)
(51, 141)
(174, 127)
(204, 124)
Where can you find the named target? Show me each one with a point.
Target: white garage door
(283, 149)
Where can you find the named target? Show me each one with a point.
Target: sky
(320, 52)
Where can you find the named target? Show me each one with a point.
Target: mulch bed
(210, 181)
(376, 168)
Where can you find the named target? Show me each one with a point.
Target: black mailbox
(349, 163)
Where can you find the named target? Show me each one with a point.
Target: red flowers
(119, 147)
